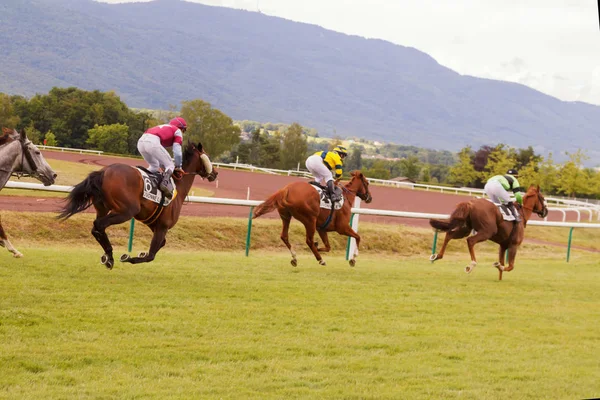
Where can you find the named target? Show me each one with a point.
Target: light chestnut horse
(116, 192)
(301, 201)
(483, 217)
(20, 157)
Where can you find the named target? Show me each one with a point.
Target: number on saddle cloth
(325, 200)
(151, 190)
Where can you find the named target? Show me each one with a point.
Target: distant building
(402, 179)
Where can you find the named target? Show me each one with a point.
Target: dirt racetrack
(237, 184)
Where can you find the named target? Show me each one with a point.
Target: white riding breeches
(497, 193)
(154, 153)
(316, 167)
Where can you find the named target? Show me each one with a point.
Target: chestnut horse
(20, 157)
(483, 217)
(116, 194)
(301, 201)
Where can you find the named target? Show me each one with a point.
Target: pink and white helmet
(178, 122)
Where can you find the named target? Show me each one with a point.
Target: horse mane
(188, 152)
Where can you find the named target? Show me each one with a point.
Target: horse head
(203, 166)
(534, 201)
(363, 186)
(32, 161)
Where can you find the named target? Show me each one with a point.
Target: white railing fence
(355, 210)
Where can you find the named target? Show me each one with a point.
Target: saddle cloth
(506, 214)
(325, 200)
(151, 190)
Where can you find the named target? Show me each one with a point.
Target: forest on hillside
(75, 118)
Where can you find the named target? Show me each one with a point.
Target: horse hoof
(104, 259)
(322, 262)
(352, 262)
(143, 254)
(499, 266)
(17, 255)
(294, 263)
(125, 257)
(433, 257)
(469, 268)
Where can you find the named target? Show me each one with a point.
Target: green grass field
(220, 325)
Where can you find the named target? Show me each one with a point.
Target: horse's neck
(527, 211)
(9, 157)
(351, 192)
(184, 185)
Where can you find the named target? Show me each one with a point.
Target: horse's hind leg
(471, 242)
(512, 254)
(325, 240)
(500, 263)
(4, 242)
(457, 234)
(103, 221)
(157, 243)
(310, 224)
(286, 218)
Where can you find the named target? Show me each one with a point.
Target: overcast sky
(550, 45)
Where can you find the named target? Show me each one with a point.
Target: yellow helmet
(341, 150)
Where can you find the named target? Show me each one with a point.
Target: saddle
(151, 190)
(325, 200)
(507, 215)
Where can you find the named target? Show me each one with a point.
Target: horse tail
(83, 194)
(275, 201)
(457, 218)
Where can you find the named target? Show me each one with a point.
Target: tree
(571, 178)
(210, 126)
(109, 138)
(411, 167)
(528, 174)
(548, 172)
(8, 118)
(294, 147)
(354, 160)
(50, 139)
(499, 161)
(425, 174)
(463, 172)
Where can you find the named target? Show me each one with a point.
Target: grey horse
(19, 156)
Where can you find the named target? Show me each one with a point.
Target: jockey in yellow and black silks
(325, 165)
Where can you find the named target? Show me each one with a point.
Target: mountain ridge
(257, 67)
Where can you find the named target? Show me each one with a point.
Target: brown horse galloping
(116, 194)
(485, 219)
(301, 201)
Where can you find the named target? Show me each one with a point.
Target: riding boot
(511, 207)
(165, 185)
(331, 190)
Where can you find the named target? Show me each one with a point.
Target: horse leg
(310, 224)
(500, 263)
(348, 231)
(440, 255)
(471, 242)
(4, 242)
(286, 218)
(157, 243)
(103, 221)
(325, 240)
(512, 254)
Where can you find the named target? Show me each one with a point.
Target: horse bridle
(25, 155)
(541, 212)
(362, 196)
(179, 175)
